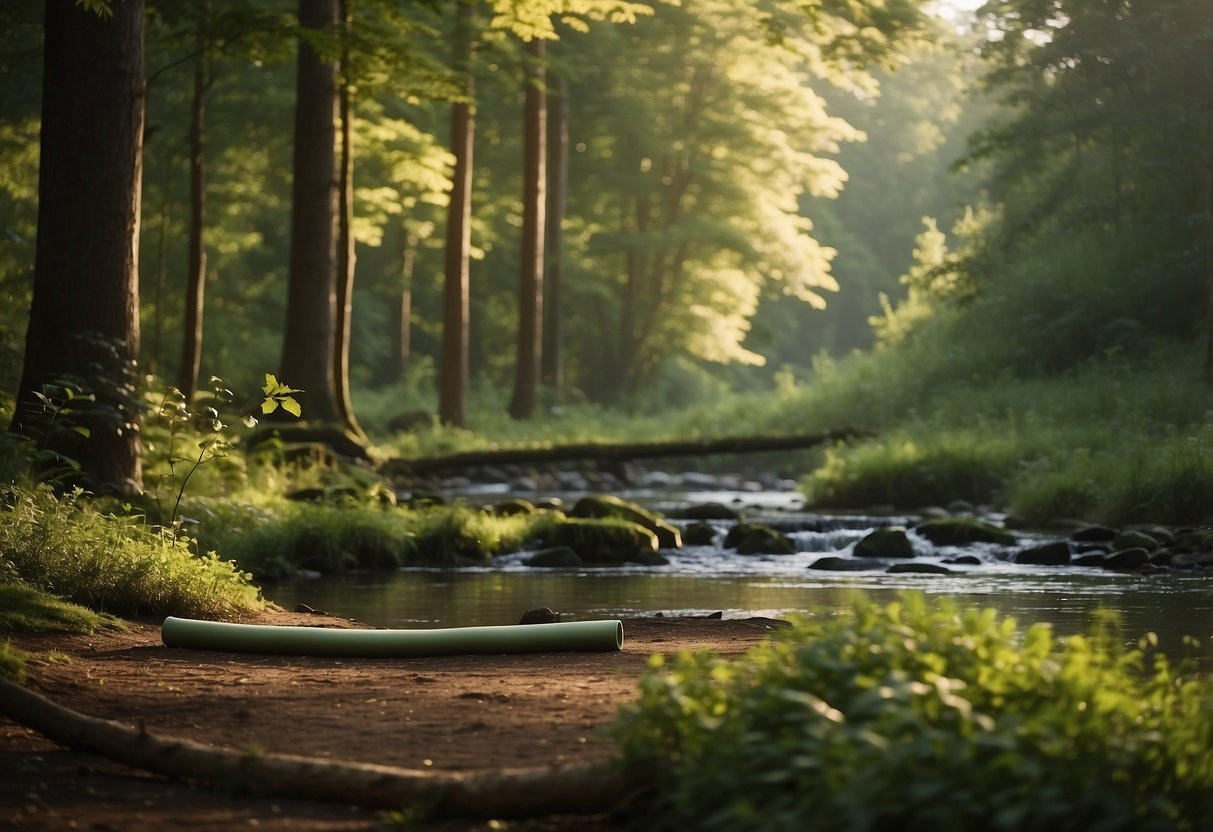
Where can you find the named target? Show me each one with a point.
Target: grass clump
(64, 546)
(12, 662)
(919, 717)
(25, 608)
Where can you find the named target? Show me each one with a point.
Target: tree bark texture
(534, 208)
(86, 258)
(307, 351)
(510, 793)
(453, 384)
(553, 323)
(195, 292)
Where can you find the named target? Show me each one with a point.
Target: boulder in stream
(756, 539)
(962, 531)
(1056, 553)
(888, 542)
(606, 505)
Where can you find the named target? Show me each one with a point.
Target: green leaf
(83, 431)
(291, 406)
(269, 406)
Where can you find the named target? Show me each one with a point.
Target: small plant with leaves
(922, 715)
(205, 429)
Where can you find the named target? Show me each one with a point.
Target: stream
(702, 580)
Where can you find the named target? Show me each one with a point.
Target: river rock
(1056, 553)
(607, 505)
(557, 557)
(1093, 558)
(604, 542)
(888, 542)
(964, 560)
(834, 563)
(1193, 560)
(756, 539)
(1094, 534)
(919, 568)
(960, 507)
(543, 615)
(1126, 560)
(1134, 539)
(709, 511)
(961, 531)
(699, 534)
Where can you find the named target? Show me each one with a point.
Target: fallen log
(505, 793)
(604, 452)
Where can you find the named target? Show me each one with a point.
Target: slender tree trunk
(403, 352)
(534, 204)
(156, 361)
(86, 258)
(1209, 266)
(553, 346)
(307, 352)
(452, 391)
(191, 346)
(346, 255)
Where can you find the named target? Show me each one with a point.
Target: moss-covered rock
(757, 539)
(699, 534)
(888, 542)
(606, 542)
(606, 505)
(962, 531)
(512, 508)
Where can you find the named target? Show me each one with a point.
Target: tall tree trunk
(534, 205)
(452, 390)
(1209, 266)
(86, 259)
(191, 345)
(156, 361)
(553, 324)
(403, 348)
(346, 257)
(307, 351)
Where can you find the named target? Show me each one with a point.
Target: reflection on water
(1168, 605)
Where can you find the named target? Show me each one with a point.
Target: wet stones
(756, 539)
(889, 542)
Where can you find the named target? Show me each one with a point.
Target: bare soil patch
(456, 713)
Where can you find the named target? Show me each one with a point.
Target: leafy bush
(913, 717)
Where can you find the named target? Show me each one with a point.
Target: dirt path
(458, 713)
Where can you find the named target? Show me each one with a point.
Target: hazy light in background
(949, 8)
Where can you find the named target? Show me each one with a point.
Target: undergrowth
(917, 716)
(64, 546)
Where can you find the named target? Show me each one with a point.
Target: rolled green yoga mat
(584, 636)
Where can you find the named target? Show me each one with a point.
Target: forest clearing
(856, 356)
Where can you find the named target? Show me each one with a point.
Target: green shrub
(913, 717)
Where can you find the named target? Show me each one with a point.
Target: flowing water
(709, 579)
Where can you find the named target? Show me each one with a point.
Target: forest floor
(457, 713)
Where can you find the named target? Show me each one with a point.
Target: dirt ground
(458, 713)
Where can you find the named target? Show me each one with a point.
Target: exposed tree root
(507, 793)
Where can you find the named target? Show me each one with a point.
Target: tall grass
(66, 547)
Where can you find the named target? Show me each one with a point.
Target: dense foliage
(916, 716)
